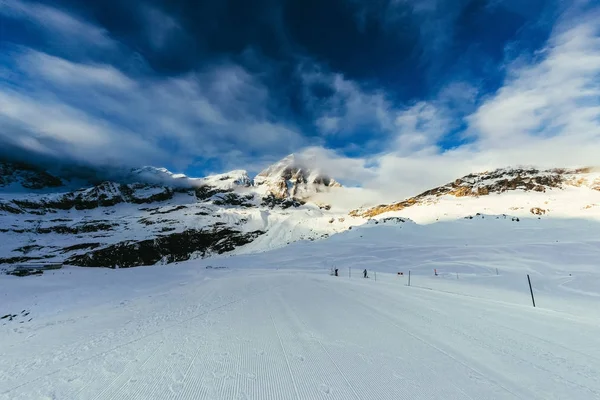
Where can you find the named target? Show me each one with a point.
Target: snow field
(268, 334)
(276, 325)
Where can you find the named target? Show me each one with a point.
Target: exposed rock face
(106, 194)
(291, 178)
(538, 211)
(27, 176)
(167, 249)
(498, 181)
(163, 217)
(273, 201)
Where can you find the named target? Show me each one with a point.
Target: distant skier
(365, 273)
(336, 272)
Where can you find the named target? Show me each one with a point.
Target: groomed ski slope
(289, 330)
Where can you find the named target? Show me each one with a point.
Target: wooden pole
(531, 290)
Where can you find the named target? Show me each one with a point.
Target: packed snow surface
(276, 325)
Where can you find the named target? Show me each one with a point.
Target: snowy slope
(276, 325)
(155, 216)
(559, 193)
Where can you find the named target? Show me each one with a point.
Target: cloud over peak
(396, 95)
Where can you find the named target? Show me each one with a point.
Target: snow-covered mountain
(152, 215)
(565, 193)
(18, 176)
(290, 177)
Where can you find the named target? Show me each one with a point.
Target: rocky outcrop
(273, 201)
(232, 199)
(292, 178)
(537, 211)
(106, 194)
(498, 181)
(171, 248)
(27, 176)
(149, 215)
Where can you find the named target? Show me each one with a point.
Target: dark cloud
(402, 44)
(220, 83)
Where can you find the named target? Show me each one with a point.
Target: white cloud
(42, 125)
(54, 21)
(80, 107)
(557, 96)
(406, 129)
(349, 108)
(419, 127)
(97, 113)
(351, 170)
(64, 72)
(546, 114)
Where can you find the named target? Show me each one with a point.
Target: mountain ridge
(156, 216)
(153, 216)
(540, 187)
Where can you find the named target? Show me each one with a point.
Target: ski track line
(470, 338)
(102, 338)
(496, 351)
(523, 333)
(515, 343)
(186, 376)
(580, 353)
(112, 383)
(475, 338)
(564, 314)
(187, 379)
(313, 337)
(287, 361)
(43, 322)
(152, 384)
(103, 353)
(448, 381)
(417, 337)
(336, 366)
(313, 352)
(157, 383)
(518, 331)
(153, 389)
(493, 381)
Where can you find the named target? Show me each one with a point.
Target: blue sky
(401, 94)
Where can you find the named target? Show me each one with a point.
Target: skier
(336, 272)
(365, 273)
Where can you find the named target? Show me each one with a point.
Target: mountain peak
(289, 162)
(293, 177)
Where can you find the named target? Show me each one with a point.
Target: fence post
(408, 277)
(531, 290)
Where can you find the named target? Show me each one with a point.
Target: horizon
(349, 197)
